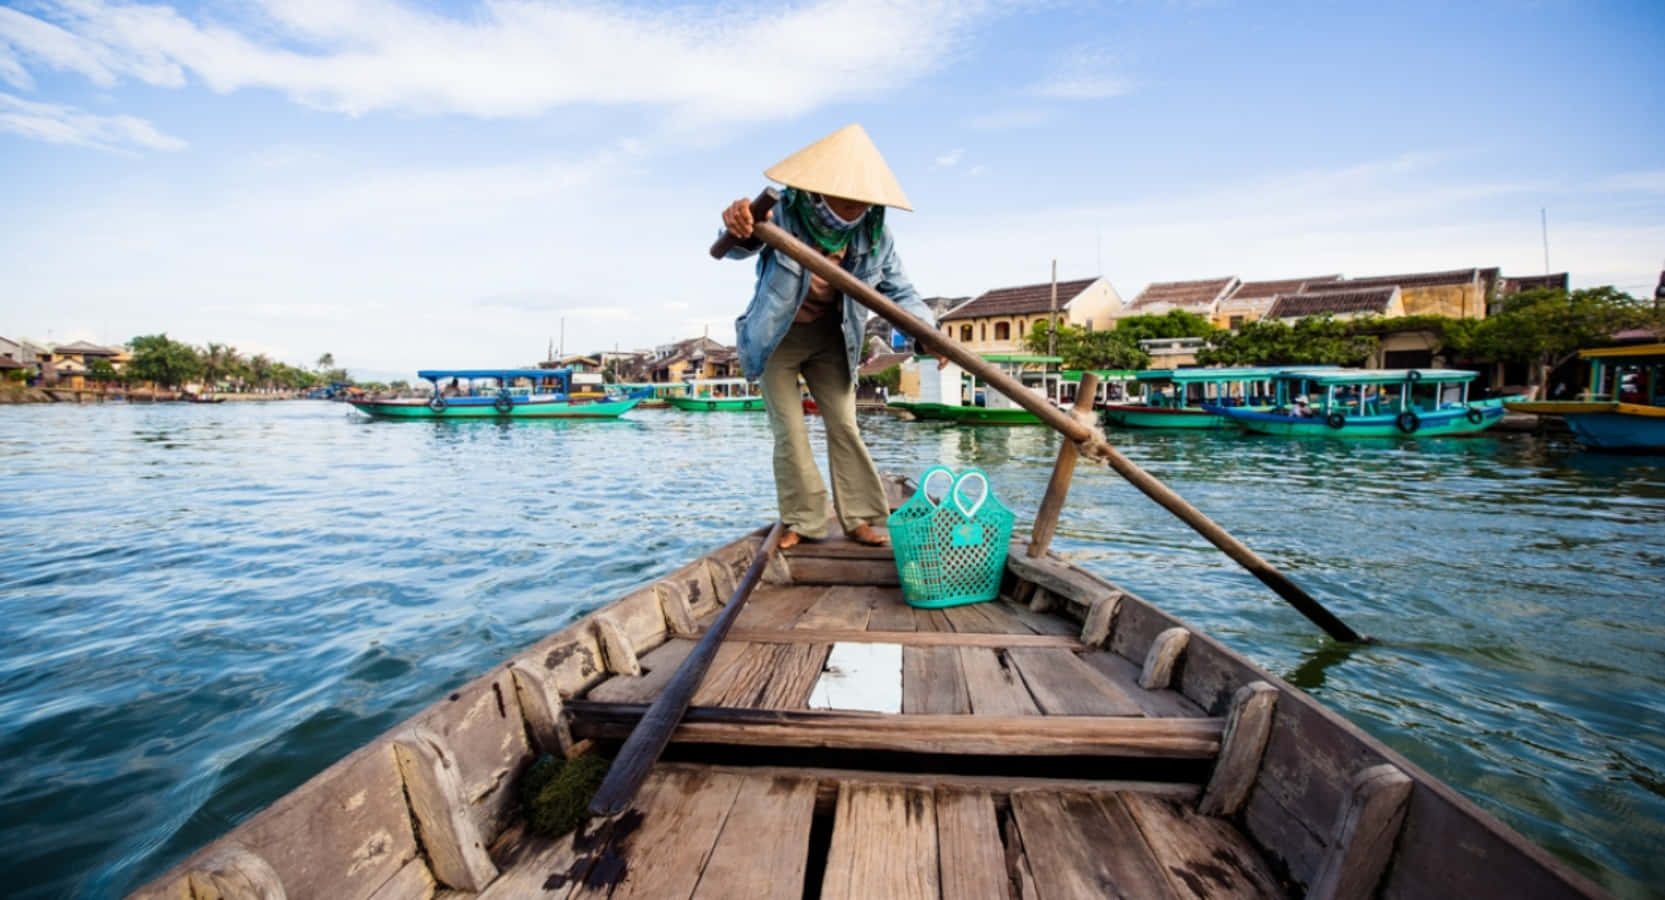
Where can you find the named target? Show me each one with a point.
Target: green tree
(890, 379)
(327, 361)
(260, 368)
(162, 361)
(1175, 323)
(101, 371)
(1315, 340)
(1544, 328)
(220, 362)
(1082, 349)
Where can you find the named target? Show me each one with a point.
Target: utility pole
(563, 336)
(1543, 215)
(1052, 325)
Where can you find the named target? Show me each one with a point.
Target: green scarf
(830, 239)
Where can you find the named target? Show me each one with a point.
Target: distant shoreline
(17, 395)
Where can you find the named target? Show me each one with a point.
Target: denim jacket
(782, 285)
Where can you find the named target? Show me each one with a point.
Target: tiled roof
(1256, 290)
(7, 362)
(85, 348)
(882, 362)
(1514, 284)
(1417, 279)
(1183, 294)
(1025, 300)
(1339, 302)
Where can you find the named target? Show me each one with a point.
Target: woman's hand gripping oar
(642, 749)
(1090, 440)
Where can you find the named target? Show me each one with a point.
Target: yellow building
(999, 320)
(1457, 294)
(1250, 300)
(1340, 302)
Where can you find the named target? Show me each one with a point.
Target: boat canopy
(1629, 352)
(1377, 376)
(504, 375)
(1103, 374)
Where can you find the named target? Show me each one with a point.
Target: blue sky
(408, 183)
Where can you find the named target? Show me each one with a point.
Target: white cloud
(948, 160)
(58, 124)
(1084, 74)
(509, 58)
(975, 171)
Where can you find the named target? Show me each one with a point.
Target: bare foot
(866, 534)
(789, 540)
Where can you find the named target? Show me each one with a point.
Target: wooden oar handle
(760, 212)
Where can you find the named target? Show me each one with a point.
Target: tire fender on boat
(1335, 420)
(1408, 422)
(1474, 416)
(503, 403)
(437, 404)
(1413, 375)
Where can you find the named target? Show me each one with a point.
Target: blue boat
(499, 394)
(1624, 409)
(1369, 403)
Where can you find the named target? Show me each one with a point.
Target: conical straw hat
(842, 164)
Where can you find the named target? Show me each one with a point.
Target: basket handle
(925, 483)
(959, 494)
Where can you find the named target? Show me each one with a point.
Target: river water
(205, 605)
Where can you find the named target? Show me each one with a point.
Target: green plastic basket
(950, 550)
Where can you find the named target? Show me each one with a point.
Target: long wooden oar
(641, 750)
(1092, 442)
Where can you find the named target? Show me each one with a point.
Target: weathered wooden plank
(912, 638)
(678, 613)
(658, 665)
(692, 586)
(231, 872)
(1040, 623)
(993, 685)
(838, 608)
(763, 849)
(1063, 685)
(971, 617)
(1101, 619)
(740, 682)
(890, 613)
(796, 669)
(540, 706)
(679, 828)
(825, 570)
(1203, 857)
(1160, 659)
(999, 785)
(1137, 625)
(968, 846)
(773, 608)
(1247, 728)
(1123, 673)
(1040, 599)
(1361, 841)
(932, 681)
(884, 844)
(484, 730)
(455, 847)
(617, 651)
(1059, 577)
(923, 733)
(1078, 847)
(932, 620)
(413, 882)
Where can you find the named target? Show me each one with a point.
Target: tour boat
(1037, 374)
(1369, 403)
(498, 394)
(1176, 398)
(1624, 409)
(845, 744)
(718, 395)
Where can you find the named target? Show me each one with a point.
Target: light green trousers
(815, 350)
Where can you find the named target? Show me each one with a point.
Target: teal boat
(718, 395)
(1179, 398)
(1359, 403)
(498, 394)
(1624, 410)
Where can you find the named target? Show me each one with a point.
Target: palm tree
(260, 371)
(219, 362)
(327, 361)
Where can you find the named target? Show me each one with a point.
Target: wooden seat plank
(667, 851)
(968, 846)
(932, 681)
(1123, 673)
(993, 685)
(914, 638)
(1076, 848)
(797, 668)
(658, 665)
(1063, 685)
(743, 681)
(1204, 857)
(884, 844)
(763, 849)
